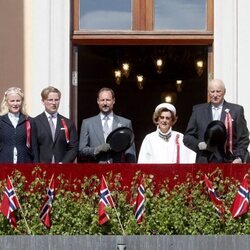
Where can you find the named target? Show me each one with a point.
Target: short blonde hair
(4, 106)
(45, 92)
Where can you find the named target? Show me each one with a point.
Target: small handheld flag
(47, 205)
(140, 200)
(10, 203)
(240, 204)
(214, 197)
(105, 200)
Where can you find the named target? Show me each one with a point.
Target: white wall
(244, 56)
(231, 50)
(47, 29)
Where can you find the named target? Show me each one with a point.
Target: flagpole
(27, 226)
(51, 180)
(123, 232)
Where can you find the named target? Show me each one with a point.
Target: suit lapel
(6, 119)
(98, 129)
(208, 115)
(116, 122)
(58, 126)
(223, 113)
(21, 119)
(45, 124)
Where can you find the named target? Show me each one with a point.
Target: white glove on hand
(237, 160)
(202, 145)
(102, 148)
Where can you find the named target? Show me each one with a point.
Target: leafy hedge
(185, 209)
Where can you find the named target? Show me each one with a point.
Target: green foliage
(185, 209)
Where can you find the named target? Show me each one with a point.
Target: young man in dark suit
(218, 109)
(57, 137)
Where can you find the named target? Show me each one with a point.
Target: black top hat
(216, 134)
(120, 139)
(215, 138)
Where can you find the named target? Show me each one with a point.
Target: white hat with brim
(168, 106)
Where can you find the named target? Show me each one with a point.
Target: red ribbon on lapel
(229, 127)
(28, 129)
(178, 148)
(66, 130)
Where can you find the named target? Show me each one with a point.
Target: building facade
(38, 40)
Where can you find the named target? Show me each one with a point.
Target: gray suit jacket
(92, 136)
(202, 116)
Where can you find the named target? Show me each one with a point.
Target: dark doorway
(96, 66)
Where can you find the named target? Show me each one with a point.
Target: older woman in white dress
(165, 145)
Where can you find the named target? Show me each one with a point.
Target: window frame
(142, 33)
(142, 29)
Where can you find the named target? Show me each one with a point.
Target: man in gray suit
(218, 109)
(94, 131)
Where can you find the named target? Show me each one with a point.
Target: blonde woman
(17, 130)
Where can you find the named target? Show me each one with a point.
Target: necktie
(53, 130)
(52, 126)
(106, 128)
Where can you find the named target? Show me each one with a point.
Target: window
(180, 15)
(143, 15)
(105, 14)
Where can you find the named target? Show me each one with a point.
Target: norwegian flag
(214, 197)
(10, 203)
(47, 205)
(105, 200)
(140, 200)
(240, 204)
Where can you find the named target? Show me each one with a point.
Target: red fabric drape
(175, 172)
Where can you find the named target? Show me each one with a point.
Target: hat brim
(120, 139)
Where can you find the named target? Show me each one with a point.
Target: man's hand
(102, 148)
(202, 145)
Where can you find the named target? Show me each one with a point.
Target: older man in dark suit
(94, 131)
(57, 137)
(218, 109)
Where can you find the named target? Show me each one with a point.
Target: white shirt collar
(48, 115)
(218, 107)
(11, 115)
(110, 115)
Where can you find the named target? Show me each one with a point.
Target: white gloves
(102, 148)
(202, 145)
(237, 160)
